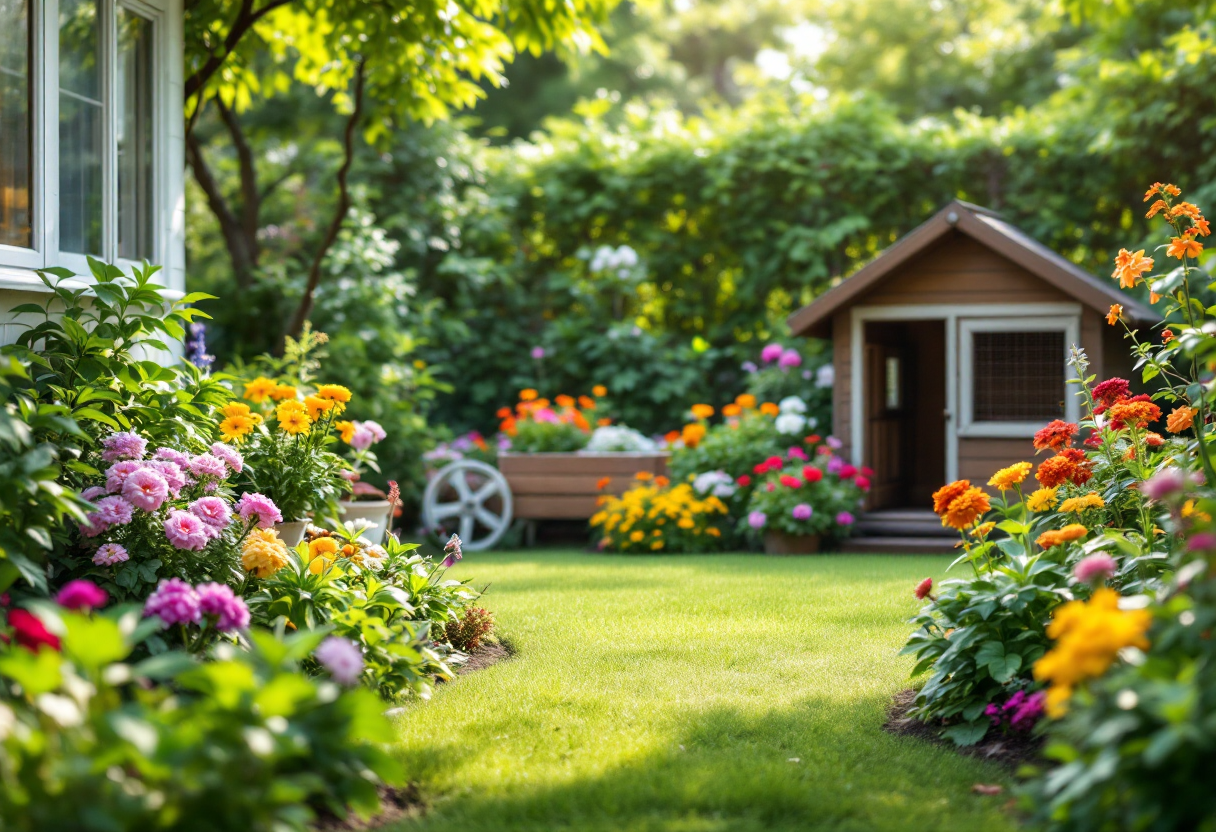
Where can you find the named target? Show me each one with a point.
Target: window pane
(81, 127)
(15, 185)
(135, 82)
(1018, 376)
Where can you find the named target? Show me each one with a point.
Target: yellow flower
(235, 409)
(1058, 537)
(637, 536)
(983, 529)
(335, 393)
(1043, 499)
(702, 411)
(282, 392)
(713, 531)
(235, 428)
(658, 544)
(686, 523)
(1077, 504)
(317, 406)
(346, 430)
(293, 421)
(258, 390)
(1007, 478)
(1189, 511)
(263, 553)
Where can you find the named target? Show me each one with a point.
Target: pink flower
(844, 518)
(175, 478)
(802, 511)
(117, 474)
(771, 353)
(799, 454)
(757, 519)
(145, 489)
(229, 455)
(93, 492)
(744, 481)
(834, 443)
(362, 438)
(213, 511)
(790, 481)
(81, 595)
(123, 446)
(342, 658)
(220, 601)
(545, 415)
(173, 455)
(259, 506)
(1164, 483)
(923, 589)
(207, 465)
(114, 511)
(538, 353)
(109, 554)
(847, 471)
(185, 531)
(789, 358)
(1096, 568)
(174, 602)
(1201, 542)
(836, 465)
(93, 525)
(380, 434)
(862, 482)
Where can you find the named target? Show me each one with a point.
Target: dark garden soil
(1010, 750)
(484, 656)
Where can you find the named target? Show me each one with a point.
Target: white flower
(825, 376)
(719, 482)
(792, 404)
(790, 423)
(619, 439)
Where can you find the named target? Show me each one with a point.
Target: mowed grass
(690, 694)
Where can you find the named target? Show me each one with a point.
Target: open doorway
(905, 411)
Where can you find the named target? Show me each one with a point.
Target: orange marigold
(702, 411)
(746, 401)
(1056, 537)
(966, 508)
(599, 390)
(528, 394)
(1069, 465)
(943, 496)
(586, 402)
(1181, 418)
(1056, 435)
(693, 434)
(564, 401)
(731, 410)
(1136, 411)
(602, 483)
(1129, 266)
(769, 409)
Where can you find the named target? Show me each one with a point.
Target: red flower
(1056, 435)
(867, 471)
(760, 469)
(813, 439)
(847, 471)
(1112, 390)
(923, 589)
(862, 482)
(811, 473)
(744, 481)
(81, 595)
(790, 481)
(1094, 440)
(823, 450)
(29, 632)
(774, 463)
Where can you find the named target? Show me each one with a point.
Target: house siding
(842, 399)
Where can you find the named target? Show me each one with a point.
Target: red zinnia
(1112, 390)
(812, 439)
(923, 589)
(744, 481)
(862, 482)
(30, 632)
(847, 471)
(1056, 435)
(790, 481)
(811, 473)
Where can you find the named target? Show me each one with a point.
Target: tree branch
(244, 262)
(251, 197)
(246, 17)
(340, 211)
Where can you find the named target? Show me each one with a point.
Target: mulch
(1009, 750)
(398, 803)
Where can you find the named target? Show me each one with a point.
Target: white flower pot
(375, 511)
(291, 532)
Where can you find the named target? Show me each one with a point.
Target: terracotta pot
(291, 532)
(780, 543)
(376, 511)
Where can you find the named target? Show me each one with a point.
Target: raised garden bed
(564, 486)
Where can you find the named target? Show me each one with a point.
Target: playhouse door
(886, 423)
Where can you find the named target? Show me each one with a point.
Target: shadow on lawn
(822, 764)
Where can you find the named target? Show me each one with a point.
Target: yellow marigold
(1189, 510)
(657, 545)
(686, 523)
(1043, 499)
(1007, 478)
(294, 422)
(528, 395)
(966, 508)
(693, 434)
(1181, 418)
(746, 401)
(1085, 501)
(713, 531)
(637, 536)
(599, 391)
(335, 393)
(258, 390)
(263, 553)
(769, 409)
(283, 392)
(346, 430)
(235, 428)
(1057, 537)
(1088, 636)
(702, 411)
(235, 409)
(317, 406)
(322, 546)
(983, 529)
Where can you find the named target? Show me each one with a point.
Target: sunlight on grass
(675, 693)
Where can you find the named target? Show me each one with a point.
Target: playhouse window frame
(969, 426)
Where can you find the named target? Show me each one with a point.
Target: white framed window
(90, 135)
(1013, 374)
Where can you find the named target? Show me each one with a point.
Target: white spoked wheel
(470, 498)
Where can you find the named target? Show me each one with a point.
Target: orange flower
(661, 481)
(671, 437)
(580, 422)
(1155, 208)
(965, 509)
(1115, 314)
(540, 404)
(1171, 190)
(504, 413)
(1181, 418)
(731, 410)
(1153, 297)
(346, 430)
(1185, 209)
(1133, 412)
(527, 395)
(1183, 247)
(508, 426)
(603, 421)
(1154, 440)
(643, 476)
(1129, 266)
(769, 409)
(599, 391)
(586, 402)
(564, 401)
(1153, 191)
(1056, 435)
(746, 401)
(702, 411)
(1069, 465)
(602, 483)
(1167, 335)
(1056, 537)
(693, 434)
(943, 496)
(1200, 226)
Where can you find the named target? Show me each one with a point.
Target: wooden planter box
(562, 486)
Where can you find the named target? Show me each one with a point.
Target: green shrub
(468, 633)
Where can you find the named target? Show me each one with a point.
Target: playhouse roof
(987, 228)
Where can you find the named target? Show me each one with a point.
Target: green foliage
(243, 741)
(533, 437)
(735, 448)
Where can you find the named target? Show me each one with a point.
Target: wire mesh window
(1018, 376)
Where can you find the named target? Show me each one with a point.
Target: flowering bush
(537, 425)
(471, 629)
(619, 439)
(784, 372)
(801, 496)
(657, 516)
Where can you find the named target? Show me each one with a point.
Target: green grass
(670, 693)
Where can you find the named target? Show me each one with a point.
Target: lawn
(690, 694)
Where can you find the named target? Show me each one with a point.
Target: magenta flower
(109, 554)
(847, 471)
(1201, 542)
(221, 603)
(1164, 483)
(924, 589)
(185, 531)
(173, 455)
(229, 455)
(207, 465)
(538, 353)
(117, 474)
(802, 511)
(145, 489)
(836, 465)
(788, 359)
(114, 511)
(452, 551)
(175, 478)
(213, 511)
(81, 595)
(123, 446)
(771, 353)
(174, 602)
(93, 492)
(93, 525)
(757, 519)
(844, 518)
(798, 453)
(1095, 568)
(342, 658)
(259, 506)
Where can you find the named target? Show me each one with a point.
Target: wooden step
(907, 545)
(882, 524)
